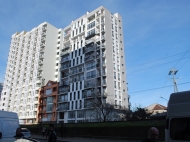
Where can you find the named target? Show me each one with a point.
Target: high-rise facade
(32, 61)
(86, 58)
(1, 88)
(92, 65)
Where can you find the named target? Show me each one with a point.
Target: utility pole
(173, 72)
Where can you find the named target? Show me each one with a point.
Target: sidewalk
(82, 139)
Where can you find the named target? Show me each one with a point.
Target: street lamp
(164, 98)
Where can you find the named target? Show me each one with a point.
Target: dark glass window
(180, 128)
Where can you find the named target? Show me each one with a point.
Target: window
(80, 85)
(76, 105)
(78, 94)
(91, 74)
(114, 75)
(113, 57)
(115, 93)
(115, 102)
(90, 65)
(118, 76)
(180, 129)
(48, 91)
(70, 96)
(91, 25)
(74, 96)
(91, 32)
(115, 84)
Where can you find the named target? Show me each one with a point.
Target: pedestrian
(18, 133)
(52, 136)
(61, 130)
(153, 134)
(47, 132)
(43, 130)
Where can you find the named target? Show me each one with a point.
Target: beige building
(156, 110)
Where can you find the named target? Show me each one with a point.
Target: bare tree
(102, 111)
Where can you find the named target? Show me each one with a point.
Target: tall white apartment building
(33, 60)
(92, 66)
(86, 57)
(1, 88)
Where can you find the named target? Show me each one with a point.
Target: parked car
(26, 132)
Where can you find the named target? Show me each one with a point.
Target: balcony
(104, 83)
(103, 30)
(72, 72)
(98, 74)
(66, 41)
(89, 85)
(104, 65)
(64, 67)
(42, 44)
(77, 79)
(89, 49)
(60, 100)
(65, 59)
(41, 56)
(40, 68)
(89, 41)
(103, 55)
(64, 83)
(67, 33)
(104, 94)
(43, 34)
(91, 67)
(44, 29)
(63, 90)
(65, 52)
(89, 57)
(89, 95)
(40, 62)
(63, 108)
(103, 38)
(43, 39)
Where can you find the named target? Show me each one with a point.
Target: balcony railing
(65, 83)
(91, 67)
(65, 59)
(63, 100)
(65, 52)
(61, 108)
(89, 85)
(90, 57)
(89, 49)
(76, 79)
(89, 95)
(76, 71)
(63, 67)
(63, 90)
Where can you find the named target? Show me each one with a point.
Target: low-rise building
(156, 110)
(47, 108)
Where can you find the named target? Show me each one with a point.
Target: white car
(26, 132)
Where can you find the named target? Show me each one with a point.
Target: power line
(155, 66)
(158, 59)
(155, 88)
(181, 57)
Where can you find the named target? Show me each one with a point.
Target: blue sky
(153, 30)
